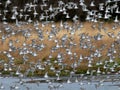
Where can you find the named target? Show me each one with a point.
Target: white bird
(117, 11)
(1, 86)
(46, 75)
(101, 6)
(68, 81)
(98, 70)
(116, 19)
(76, 80)
(92, 4)
(81, 2)
(7, 3)
(67, 16)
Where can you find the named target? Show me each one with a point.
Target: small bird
(92, 4)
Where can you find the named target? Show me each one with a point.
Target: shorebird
(116, 19)
(68, 81)
(46, 75)
(15, 87)
(98, 37)
(92, 4)
(7, 3)
(117, 10)
(82, 2)
(2, 86)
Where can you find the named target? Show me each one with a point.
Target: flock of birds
(32, 39)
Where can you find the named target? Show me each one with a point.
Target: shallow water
(84, 85)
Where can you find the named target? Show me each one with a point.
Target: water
(84, 85)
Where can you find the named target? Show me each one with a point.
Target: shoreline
(94, 78)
